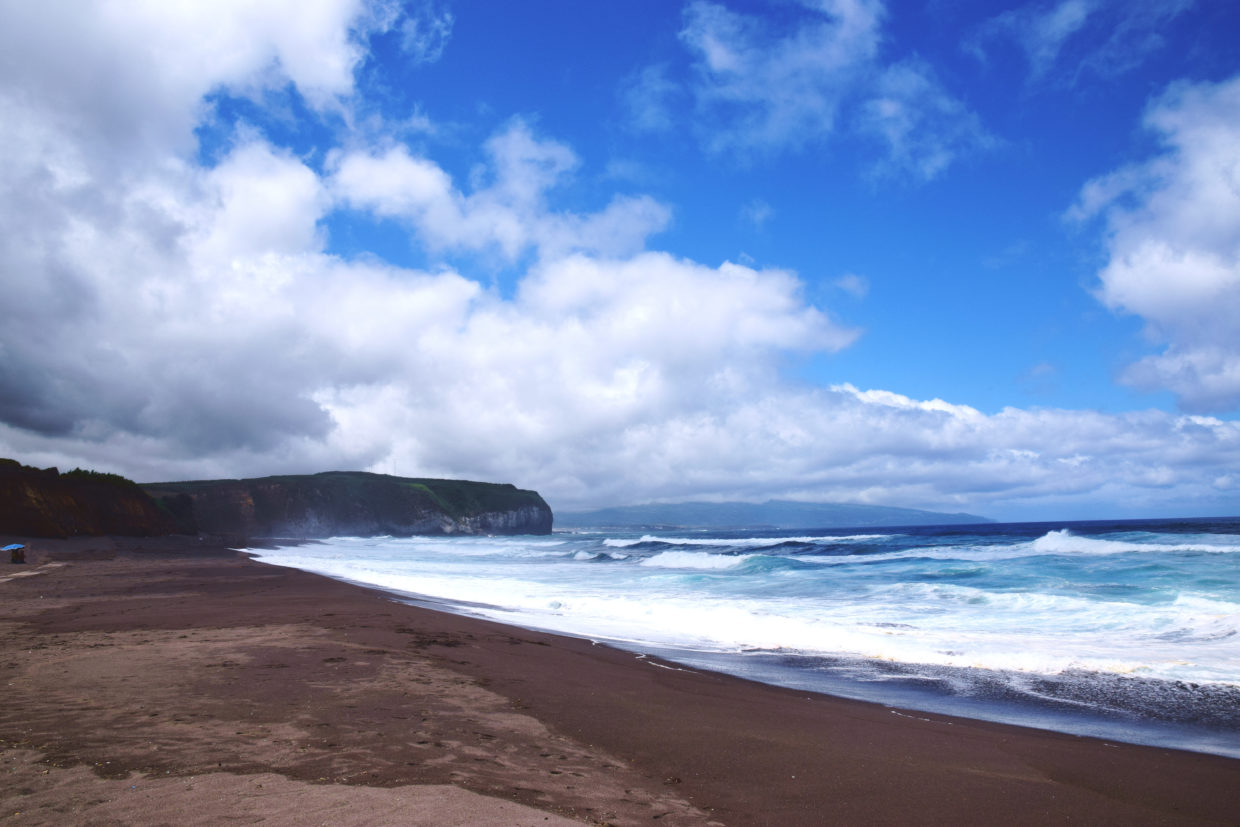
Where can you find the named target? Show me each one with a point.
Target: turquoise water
(1122, 630)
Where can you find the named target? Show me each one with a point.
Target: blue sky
(953, 255)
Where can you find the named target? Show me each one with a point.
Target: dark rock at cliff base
(46, 503)
(348, 503)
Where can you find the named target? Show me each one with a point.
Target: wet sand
(167, 681)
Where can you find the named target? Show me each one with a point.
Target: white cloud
(262, 202)
(175, 320)
(507, 212)
(758, 89)
(924, 128)
(856, 286)
(425, 33)
(1046, 34)
(1069, 38)
(1173, 244)
(757, 213)
(769, 90)
(626, 435)
(138, 72)
(648, 96)
(1040, 30)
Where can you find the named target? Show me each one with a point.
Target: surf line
(919, 718)
(662, 665)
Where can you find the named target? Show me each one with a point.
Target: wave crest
(695, 560)
(1063, 541)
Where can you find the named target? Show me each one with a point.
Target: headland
(38, 502)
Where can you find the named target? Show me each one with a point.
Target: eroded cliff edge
(353, 503)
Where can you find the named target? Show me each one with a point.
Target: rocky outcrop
(339, 503)
(45, 503)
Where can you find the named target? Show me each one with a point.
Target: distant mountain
(770, 514)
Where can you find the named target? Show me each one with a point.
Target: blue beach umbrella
(12, 547)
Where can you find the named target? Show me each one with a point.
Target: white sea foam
(966, 553)
(694, 560)
(1060, 542)
(745, 542)
(613, 543)
(1064, 541)
(927, 610)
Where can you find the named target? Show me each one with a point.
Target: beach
(171, 680)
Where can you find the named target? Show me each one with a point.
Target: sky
(952, 254)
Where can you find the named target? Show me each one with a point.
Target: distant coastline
(775, 514)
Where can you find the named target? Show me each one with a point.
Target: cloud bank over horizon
(179, 307)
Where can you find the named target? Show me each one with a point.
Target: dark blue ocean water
(1124, 630)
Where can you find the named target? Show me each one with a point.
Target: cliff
(45, 503)
(351, 503)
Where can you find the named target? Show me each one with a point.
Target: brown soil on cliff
(46, 503)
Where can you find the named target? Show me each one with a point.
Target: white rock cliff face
(525, 520)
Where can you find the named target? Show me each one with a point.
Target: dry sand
(168, 682)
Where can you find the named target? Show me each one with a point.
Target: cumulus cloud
(172, 319)
(1173, 244)
(508, 213)
(139, 73)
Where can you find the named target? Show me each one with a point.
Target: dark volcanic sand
(160, 681)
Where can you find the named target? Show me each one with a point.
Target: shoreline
(1122, 686)
(1053, 716)
(223, 668)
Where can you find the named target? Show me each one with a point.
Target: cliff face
(353, 503)
(46, 503)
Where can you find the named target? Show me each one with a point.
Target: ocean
(1128, 631)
